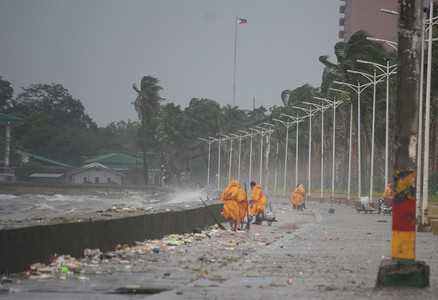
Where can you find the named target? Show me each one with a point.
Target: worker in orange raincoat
(389, 192)
(258, 201)
(387, 197)
(297, 197)
(233, 195)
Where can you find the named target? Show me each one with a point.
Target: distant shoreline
(21, 187)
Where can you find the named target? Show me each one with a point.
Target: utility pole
(402, 269)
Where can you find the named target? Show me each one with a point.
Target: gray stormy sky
(98, 48)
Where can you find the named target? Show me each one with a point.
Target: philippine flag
(241, 21)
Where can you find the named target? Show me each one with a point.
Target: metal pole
(334, 104)
(372, 138)
(208, 167)
(420, 128)
(386, 72)
(334, 149)
(349, 150)
(427, 118)
(285, 161)
(309, 178)
(287, 124)
(219, 164)
(275, 177)
(240, 149)
(359, 171)
(250, 158)
(235, 57)
(209, 141)
(297, 120)
(296, 156)
(268, 151)
(322, 154)
(387, 125)
(261, 158)
(374, 81)
(359, 89)
(350, 139)
(230, 162)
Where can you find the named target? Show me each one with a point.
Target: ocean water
(33, 207)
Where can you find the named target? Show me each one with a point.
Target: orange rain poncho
(389, 193)
(259, 199)
(233, 196)
(297, 197)
(244, 206)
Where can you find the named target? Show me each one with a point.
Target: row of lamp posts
(313, 108)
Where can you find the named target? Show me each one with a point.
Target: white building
(95, 173)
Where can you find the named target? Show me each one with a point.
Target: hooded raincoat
(259, 199)
(389, 193)
(297, 197)
(233, 196)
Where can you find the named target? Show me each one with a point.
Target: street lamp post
(374, 80)
(219, 141)
(389, 43)
(310, 113)
(334, 104)
(268, 151)
(386, 71)
(227, 137)
(209, 141)
(251, 135)
(240, 137)
(297, 120)
(349, 142)
(275, 176)
(321, 108)
(287, 124)
(232, 138)
(262, 131)
(359, 88)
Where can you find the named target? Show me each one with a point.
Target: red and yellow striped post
(403, 216)
(402, 269)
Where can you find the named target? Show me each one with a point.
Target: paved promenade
(305, 255)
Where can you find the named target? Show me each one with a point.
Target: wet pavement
(305, 255)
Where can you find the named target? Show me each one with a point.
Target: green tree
(122, 137)
(55, 124)
(205, 116)
(147, 106)
(6, 93)
(298, 95)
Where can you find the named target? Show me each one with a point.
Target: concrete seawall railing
(21, 247)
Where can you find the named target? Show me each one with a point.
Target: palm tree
(147, 105)
(347, 54)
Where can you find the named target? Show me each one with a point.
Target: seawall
(21, 247)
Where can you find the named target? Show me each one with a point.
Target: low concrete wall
(19, 248)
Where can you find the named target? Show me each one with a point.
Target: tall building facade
(367, 15)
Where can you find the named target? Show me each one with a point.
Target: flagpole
(235, 55)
